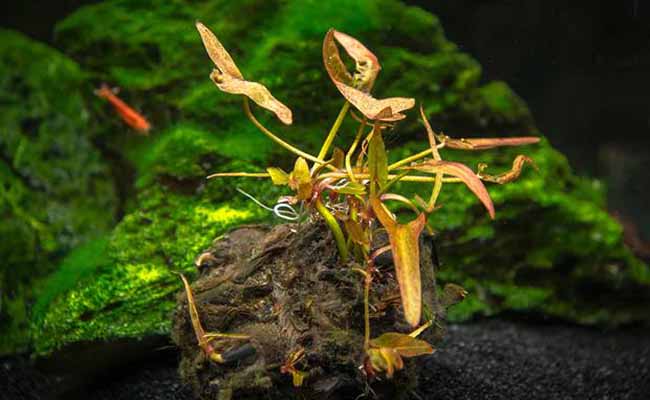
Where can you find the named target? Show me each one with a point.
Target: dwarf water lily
(350, 189)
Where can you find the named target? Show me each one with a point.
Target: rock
(287, 289)
(56, 189)
(552, 250)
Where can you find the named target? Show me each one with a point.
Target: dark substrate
(488, 359)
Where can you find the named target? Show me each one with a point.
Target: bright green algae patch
(56, 192)
(552, 237)
(124, 286)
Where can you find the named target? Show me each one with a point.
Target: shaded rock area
(56, 190)
(553, 248)
(287, 290)
(487, 359)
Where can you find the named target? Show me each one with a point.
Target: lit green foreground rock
(552, 241)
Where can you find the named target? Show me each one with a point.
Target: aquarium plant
(349, 191)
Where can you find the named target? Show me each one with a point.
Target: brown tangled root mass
(285, 287)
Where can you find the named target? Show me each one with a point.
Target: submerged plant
(350, 190)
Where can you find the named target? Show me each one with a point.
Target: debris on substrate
(285, 287)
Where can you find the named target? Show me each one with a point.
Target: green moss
(128, 291)
(55, 190)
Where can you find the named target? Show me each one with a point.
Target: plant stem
(333, 224)
(237, 174)
(332, 133)
(353, 147)
(276, 139)
(414, 157)
(366, 307)
(412, 178)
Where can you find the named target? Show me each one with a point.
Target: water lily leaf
(334, 65)
(403, 344)
(509, 176)
(405, 247)
(217, 53)
(488, 143)
(367, 64)
(377, 160)
(381, 110)
(278, 176)
(355, 88)
(463, 173)
(254, 91)
(229, 79)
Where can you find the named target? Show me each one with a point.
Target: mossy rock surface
(126, 289)
(56, 190)
(552, 242)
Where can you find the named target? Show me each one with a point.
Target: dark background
(582, 66)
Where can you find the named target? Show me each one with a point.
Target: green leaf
(377, 160)
(278, 176)
(403, 344)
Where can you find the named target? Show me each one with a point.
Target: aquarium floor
(489, 359)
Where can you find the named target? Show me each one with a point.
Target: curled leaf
(509, 176)
(382, 110)
(334, 65)
(367, 64)
(254, 91)
(355, 88)
(217, 53)
(488, 143)
(405, 247)
(229, 79)
(463, 173)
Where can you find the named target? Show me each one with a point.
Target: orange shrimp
(132, 118)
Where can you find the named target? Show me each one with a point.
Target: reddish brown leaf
(509, 176)
(488, 143)
(383, 110)
(405, 246)
(463, 173)
(334, 65)
(354, 90)
(255, 91)
(367, 64)
(217, 52)
(229, 79)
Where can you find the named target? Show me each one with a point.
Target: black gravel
(489, 359)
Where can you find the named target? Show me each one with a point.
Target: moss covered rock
(553, 248)
(123, 285)
(56, 191)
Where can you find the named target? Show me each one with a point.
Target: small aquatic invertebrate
(349, 191)
(131, 117)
